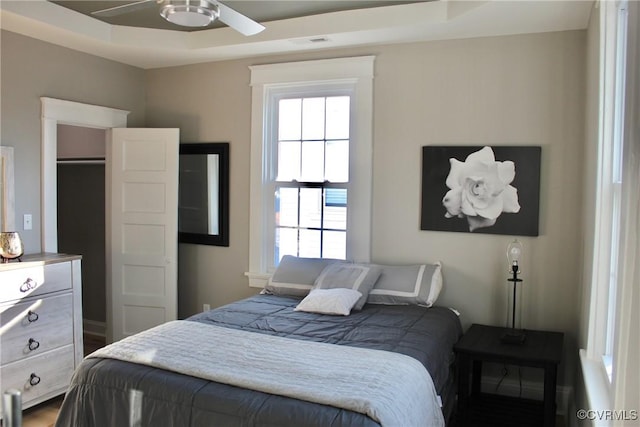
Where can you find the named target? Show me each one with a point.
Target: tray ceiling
(291, 26)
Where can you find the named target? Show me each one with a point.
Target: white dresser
(40, 325)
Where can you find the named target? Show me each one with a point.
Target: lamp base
(513, 337)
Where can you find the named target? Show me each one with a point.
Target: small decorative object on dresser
(40, 325)
(10, 246)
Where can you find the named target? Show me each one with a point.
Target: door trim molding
(54, 112)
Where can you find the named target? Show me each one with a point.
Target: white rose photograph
(481, 189)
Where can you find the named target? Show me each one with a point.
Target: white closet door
(142, 222)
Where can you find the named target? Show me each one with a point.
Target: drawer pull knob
(34, 380)
(33, 344)
(28, 285)
(32, 316)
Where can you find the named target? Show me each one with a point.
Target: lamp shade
(514, 252)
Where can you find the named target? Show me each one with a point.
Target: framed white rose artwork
(493, 190)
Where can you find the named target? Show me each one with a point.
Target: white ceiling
(154, 48)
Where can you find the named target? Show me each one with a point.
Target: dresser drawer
(33, 281)
(39, 375)
(36, 326)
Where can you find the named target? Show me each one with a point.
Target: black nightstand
(482, 344)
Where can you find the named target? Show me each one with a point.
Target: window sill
(258, 280)
(597, 386)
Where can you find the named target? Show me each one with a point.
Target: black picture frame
(436, 166)
(190, 200)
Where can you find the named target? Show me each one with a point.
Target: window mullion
(299, 227)
(322, 204)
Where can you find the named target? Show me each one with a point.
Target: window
(609, 198)
(312, 176)
(311, 146)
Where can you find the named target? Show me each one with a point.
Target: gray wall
(81, 211)
(30, 69)
(589, 184)
(81, 230)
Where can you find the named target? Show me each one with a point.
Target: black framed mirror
(203, 195)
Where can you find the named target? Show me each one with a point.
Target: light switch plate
(27, 222)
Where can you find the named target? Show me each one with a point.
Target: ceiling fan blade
(126, 8)
(238, 21)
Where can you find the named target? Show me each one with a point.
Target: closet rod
(81, 161)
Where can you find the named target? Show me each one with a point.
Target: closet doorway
(56, 113)
(81, 216)
(141, 212)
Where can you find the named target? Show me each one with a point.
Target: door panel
(143, 231)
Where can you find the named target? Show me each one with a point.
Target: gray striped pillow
(295, 276)
(407, 284)
(359, 277)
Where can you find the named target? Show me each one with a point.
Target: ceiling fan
(191, 13)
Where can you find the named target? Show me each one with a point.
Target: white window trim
(594, 359)
(598, 312)
(355, 70)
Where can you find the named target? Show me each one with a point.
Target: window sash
(300, 226)
(308, 127)
(272, 144)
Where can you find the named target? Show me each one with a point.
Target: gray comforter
(106, 392)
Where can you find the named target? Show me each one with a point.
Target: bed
(107, 391)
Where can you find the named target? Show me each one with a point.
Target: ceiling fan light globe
(188, 13)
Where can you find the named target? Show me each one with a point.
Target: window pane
(287, 207)
(286, 243)
(310, 243)
(337, 161)
(335, 212)
(288, 160)
(310, 207)
(336, 197)
(289, 119)
(334, 245)
(312, 161)
(338, 117)
(313, 118)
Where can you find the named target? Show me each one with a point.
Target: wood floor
(45, 414)
(92, 343)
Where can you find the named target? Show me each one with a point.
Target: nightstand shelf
(492, 410)
(482, 343)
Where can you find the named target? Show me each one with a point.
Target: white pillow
(329, 301)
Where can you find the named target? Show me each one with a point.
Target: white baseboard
(94, 327)
(529, 390)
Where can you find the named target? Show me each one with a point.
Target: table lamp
(514, 251)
